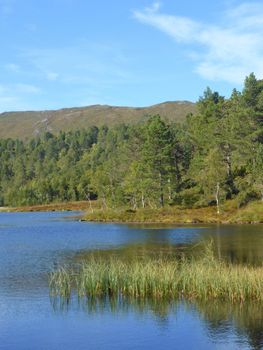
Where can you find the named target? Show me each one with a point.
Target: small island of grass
(200, 278)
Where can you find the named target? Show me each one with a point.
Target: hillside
(25, 125)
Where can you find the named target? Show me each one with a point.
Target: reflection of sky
(33, 324)
(161, 235)
(32, 243)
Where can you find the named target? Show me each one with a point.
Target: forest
(213, 156)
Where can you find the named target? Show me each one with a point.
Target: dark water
(31, 244)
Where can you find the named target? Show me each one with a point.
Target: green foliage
(251, 90)
(215, 155)
(47, 169)
(246, 196)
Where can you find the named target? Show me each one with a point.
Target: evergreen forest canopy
(213, 156)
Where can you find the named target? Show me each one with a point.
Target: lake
(32, 244)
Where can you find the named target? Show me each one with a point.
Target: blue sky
(65, 53)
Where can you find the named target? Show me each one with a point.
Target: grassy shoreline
(250, 214)
(61, 206)
(194, 278)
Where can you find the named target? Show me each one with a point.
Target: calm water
(31, 244)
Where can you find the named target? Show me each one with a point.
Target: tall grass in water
(192, 278)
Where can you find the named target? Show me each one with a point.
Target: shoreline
(63, 206)
(250, 214)
(183, 223)
(173, 215)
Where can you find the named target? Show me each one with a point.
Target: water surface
(31, 244)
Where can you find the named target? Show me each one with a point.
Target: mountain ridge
(27, 124)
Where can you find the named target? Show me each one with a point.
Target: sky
(69, 53)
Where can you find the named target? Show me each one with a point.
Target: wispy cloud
(19, 88)
(227, 51)
(52, 76)
(14, 96)
(83, 63)
(83, 72)
(12, 67)
(26, 88)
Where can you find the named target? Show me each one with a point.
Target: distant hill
(25, 125)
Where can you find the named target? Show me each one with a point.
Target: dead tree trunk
(90, 205)
(217, 197)
(143, 201)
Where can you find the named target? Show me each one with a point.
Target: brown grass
(252, 213)
(67, 206)
(230, 214)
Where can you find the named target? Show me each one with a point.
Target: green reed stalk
(194, 278)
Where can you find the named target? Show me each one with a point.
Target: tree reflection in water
(218, 318)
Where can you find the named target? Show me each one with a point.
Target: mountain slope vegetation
(213, 156)
(25, 125)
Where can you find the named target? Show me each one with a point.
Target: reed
(191, 278)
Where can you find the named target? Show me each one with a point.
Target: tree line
(215, 155)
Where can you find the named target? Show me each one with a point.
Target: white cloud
(180, 28)
(154, 8)
(227, 51)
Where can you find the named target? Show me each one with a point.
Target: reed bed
(191, 278)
